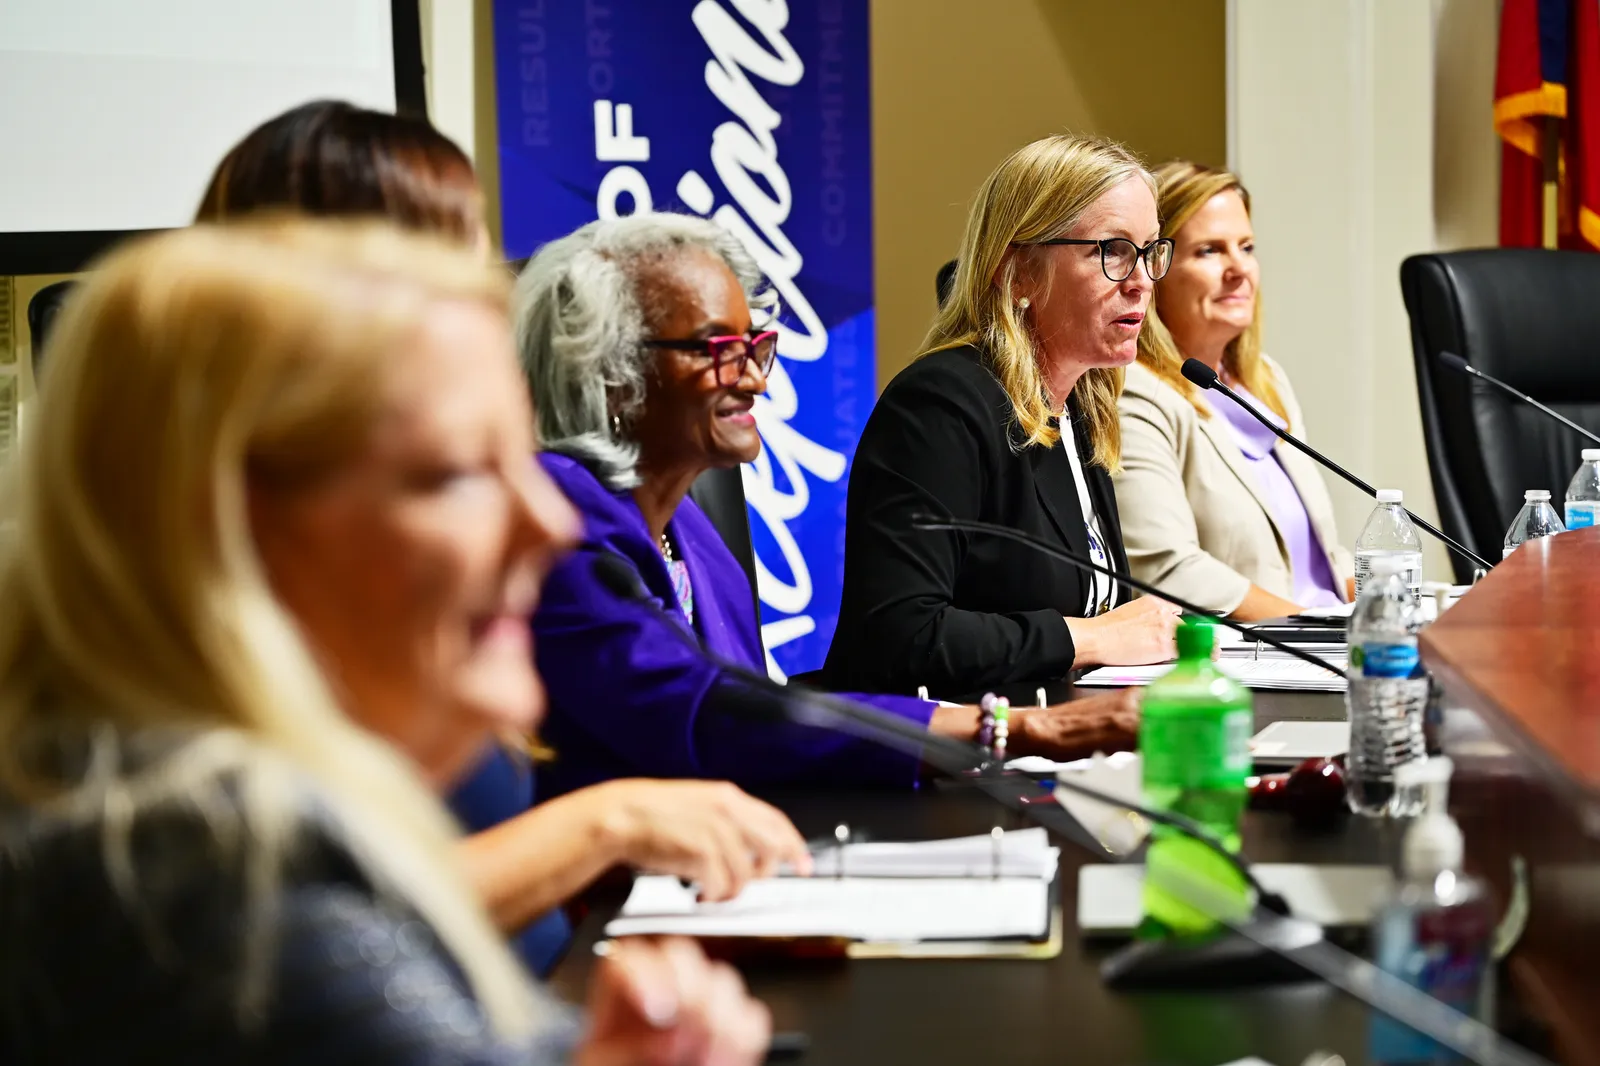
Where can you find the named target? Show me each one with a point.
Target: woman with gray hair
(645, 360)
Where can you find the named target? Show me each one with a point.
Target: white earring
(1023, 304)
(616, 425)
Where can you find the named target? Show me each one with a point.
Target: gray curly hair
(580, 321)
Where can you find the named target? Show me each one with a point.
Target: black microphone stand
(1461, 366)
(1206, 378)
(966, 525)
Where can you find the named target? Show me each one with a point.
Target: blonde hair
(1182, 189)
(1039, 191)
(137, 613)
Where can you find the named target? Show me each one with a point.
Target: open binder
(984, 896)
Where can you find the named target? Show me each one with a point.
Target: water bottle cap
(1536, 496)
(1591, 454)
(1433, 843)
(1390, 496)
(1195, 638)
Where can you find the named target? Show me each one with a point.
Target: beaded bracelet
(986, 721)
(994, 725)
(1002, 730)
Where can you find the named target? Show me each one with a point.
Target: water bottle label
(1453, 973)
(1410, 574)
(1580, 514)
(1385, 660)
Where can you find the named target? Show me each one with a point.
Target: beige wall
(1337, 145)
(458, 59)
(958, 84)
(1466, 153)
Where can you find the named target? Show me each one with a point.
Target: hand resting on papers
(707, 832)
(1138, 632)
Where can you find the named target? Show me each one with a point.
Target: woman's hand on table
(1135, 634)
(708, 832)
(1105, 721)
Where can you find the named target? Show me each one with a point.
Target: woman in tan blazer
(1214, 508)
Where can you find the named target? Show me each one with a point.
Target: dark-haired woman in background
(333, 159)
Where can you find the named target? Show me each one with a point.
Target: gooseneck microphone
(1200, 374)
(803, 706)
(784, 703)
(1083, 562)
(1461, 366)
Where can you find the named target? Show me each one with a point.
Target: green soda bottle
(1194, 744)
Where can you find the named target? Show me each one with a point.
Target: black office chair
(42, 311)
(1532, 319)
(720, 494)
(944, 281)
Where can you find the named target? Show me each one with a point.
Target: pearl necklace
(666, 548)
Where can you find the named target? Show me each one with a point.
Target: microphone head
(619, 578)
(1198, 373)
(1455, 362)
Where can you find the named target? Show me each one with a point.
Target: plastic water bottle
(1583, 492)
(1194, 747)
(1389, 533)
(1536, 519)
(1388, 694)
(1434, 932)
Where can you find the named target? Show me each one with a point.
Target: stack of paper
(942, 890)
(1275, 671)
(1019, 853)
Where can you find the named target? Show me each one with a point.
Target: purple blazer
(627, 698)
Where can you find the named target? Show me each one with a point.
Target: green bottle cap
(1195, 638)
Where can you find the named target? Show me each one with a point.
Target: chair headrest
(945, 280)
(42, 311)
(1527, 316)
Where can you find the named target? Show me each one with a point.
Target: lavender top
(1314, 584)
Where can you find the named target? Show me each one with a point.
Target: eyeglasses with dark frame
(1119, 256)
(730, 353)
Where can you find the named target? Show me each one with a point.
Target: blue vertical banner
(757, 115)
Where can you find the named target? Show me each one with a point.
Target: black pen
(787, 1045)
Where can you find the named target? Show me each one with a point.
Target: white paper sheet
(1293, 741)
(1270, 672)
(870, 909)
(1022, 853)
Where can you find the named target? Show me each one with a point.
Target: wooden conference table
(1520, 653)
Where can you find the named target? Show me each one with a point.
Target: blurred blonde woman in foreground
(263, 451)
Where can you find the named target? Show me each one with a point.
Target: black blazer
(962, 614)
